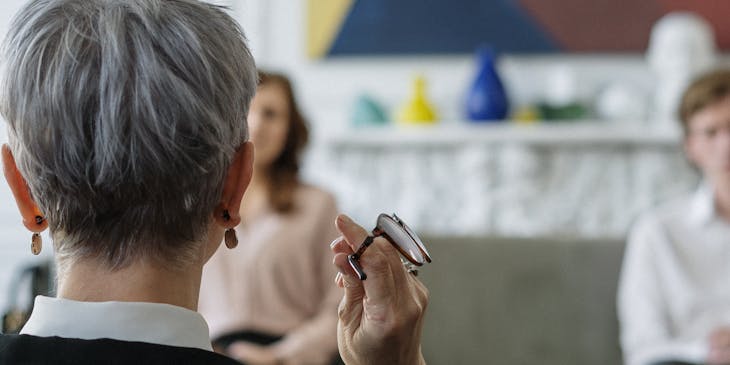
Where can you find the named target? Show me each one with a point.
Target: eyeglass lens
(400, 237)
(398, 234)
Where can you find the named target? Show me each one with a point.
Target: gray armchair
(513, 301)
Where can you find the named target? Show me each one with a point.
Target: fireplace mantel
(586, 179)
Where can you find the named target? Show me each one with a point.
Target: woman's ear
(28, 208)
(239, 176)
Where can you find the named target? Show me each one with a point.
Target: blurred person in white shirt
(674, 290)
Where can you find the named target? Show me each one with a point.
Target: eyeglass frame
(354, 258)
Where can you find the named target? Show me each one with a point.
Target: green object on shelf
(565, 112)
(367, 111)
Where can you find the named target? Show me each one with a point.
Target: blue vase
(487, 100)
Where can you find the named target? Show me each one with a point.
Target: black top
(26, 350)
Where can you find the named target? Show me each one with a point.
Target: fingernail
(336, 240)
(338, 277)
(345, 219)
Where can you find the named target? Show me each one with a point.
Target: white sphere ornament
(622, 101)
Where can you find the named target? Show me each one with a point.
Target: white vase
(682, 46)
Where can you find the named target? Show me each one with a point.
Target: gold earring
(231, 239)
(36, 243)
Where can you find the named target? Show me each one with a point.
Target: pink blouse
(279, 280)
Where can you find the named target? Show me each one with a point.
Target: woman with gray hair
(128, 141)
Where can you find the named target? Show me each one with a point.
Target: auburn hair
(283, 174)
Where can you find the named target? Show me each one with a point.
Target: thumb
(353, 233)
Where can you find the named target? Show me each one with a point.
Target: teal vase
(366, 111)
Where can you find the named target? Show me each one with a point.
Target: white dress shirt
(675, 282)
(155, 323)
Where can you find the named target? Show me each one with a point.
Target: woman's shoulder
(25, 349)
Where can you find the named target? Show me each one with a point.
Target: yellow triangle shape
(324, 19)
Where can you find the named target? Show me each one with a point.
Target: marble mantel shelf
(587, 179)
(544, 133)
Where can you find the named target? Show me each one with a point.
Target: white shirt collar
(156, 323)
(702, 207)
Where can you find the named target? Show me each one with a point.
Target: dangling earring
(36, 242)
(230, 235)
(231, 239)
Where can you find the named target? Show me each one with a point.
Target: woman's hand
(380, 319)
(252, 354)
(719, 346)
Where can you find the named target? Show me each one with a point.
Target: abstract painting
(412, 27)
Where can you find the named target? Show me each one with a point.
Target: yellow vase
(417, 110)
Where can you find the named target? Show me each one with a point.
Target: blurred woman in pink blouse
(273, 299)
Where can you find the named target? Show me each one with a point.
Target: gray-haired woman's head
(123, 118)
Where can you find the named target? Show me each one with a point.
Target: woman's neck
(90, 281)
(256, 199)
(260, 181)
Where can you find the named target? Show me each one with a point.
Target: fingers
(720, 337)
(350, 308)
(353, 233)
(420, 292)
(341, 249)
(379, 286)
(719, 356)
(394, 264)
(420, 297)
(719, 346)
(352, 238)
(381, 262)
(344, 269)
(242, 350)
(339, 245)
(388, 305)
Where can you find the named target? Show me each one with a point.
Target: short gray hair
(124, 116)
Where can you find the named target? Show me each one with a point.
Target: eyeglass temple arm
(354, 259)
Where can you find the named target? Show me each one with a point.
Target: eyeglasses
(401, 237)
